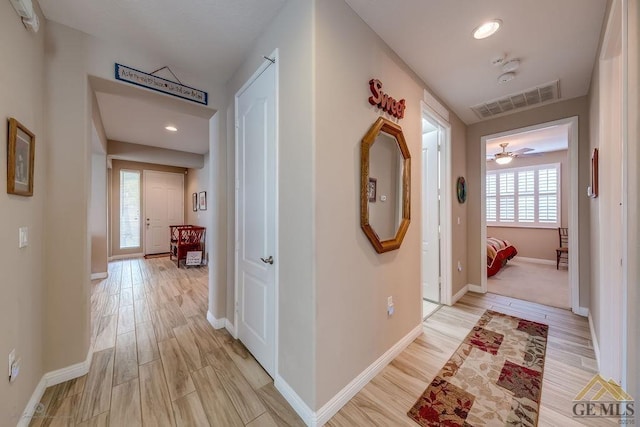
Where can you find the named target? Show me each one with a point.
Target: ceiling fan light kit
(503, 160)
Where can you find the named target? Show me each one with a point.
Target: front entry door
(256, 219)
(163, 206)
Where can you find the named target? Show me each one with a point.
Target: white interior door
(430, 215)
(256, 218)
(163, 206)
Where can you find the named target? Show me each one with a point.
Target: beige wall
(352, 280)
(607, 234)
(98, 214)
(197, 180)
(68, 115)
(156, 155)
(540, 243)
(23, 285)
(119, 165)
(291, 32)
(459, 211)
(633, 205)
(560, 110)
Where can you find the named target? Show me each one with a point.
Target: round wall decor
(461, 189)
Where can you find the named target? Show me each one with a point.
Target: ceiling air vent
(510, 103)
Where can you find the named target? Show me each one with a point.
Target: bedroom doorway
(435, 286)
(529, 204)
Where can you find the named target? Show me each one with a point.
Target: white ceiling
(554, 39)
(142, 122)
(553, 138)
(209, 37)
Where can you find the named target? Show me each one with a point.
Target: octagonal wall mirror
(385, 165)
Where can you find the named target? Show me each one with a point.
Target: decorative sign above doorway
(140, 78)
(384, 101)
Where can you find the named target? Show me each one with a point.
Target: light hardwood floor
(570, 364)
(158, 362)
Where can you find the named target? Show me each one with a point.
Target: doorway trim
(272, 60)
(574, 259)
(446, 263)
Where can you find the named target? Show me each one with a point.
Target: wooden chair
(562, 252)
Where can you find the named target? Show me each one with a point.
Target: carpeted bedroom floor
(539, 283)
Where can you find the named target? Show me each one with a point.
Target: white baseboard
(536, 260)
(594, 339)
(582, 311)
(296, 402)
(33, 403)
(126, 256)
(96, 276)
(459, 294)
(216, 323)
(50, 379)
(329, 409)
(476, 288)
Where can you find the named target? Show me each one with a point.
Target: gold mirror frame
(393, 129)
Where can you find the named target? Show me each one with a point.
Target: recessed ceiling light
(487, 29)
(171, 128)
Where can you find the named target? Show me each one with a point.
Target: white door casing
(256, 197)
(163, 206)
(430, 216)
(436, 115)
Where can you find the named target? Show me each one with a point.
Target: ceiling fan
(506, 157)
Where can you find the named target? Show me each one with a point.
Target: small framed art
(20, 157)
(202, 201)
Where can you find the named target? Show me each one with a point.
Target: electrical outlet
(459, 266)
(23, 237)
(390, 308)
(12, 359)
(15, 369)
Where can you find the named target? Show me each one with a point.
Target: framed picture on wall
(593, 189)
(20, 156)
(372, 189)
(202, 199)
(194, 201)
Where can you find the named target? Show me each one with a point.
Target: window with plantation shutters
(524, 197)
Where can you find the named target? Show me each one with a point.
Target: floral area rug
(493, 379)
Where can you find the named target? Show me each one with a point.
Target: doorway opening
(529, 214)
(436, 213)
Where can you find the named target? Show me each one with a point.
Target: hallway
(158, 362)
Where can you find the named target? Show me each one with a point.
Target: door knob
(267, 260)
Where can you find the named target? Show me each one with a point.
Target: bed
(498, 253)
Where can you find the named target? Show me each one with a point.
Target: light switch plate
(23, 237)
